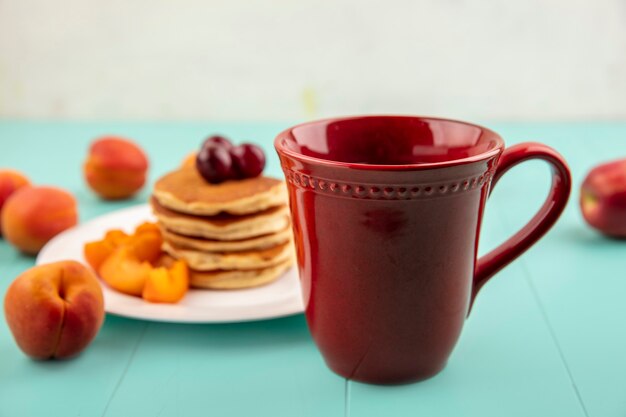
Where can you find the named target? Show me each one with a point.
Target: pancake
(234, 279)
(223, 226)
(212, 245)
(184, 190)
(210, 261)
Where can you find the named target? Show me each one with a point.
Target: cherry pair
(218, 160)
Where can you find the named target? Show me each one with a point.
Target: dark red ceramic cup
(386, 218)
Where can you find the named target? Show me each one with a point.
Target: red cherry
(248, 160)
(217, 140)
(215, 164)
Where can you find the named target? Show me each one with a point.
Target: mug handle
(488, 265)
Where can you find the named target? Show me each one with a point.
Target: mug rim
(280, 147)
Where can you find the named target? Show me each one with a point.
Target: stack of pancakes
(232, 235)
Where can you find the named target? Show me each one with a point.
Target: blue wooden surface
(547, 336)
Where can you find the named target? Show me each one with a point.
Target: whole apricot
(10, 181)
(54, 310)
(115, 168)
(34, 215)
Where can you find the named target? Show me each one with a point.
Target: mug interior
(389, 140)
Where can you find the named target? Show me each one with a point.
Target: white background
(286, 60)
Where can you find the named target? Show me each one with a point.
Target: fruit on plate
(603, 198)
(98, 251)
(115, 167)
(54, 310)
(215, 164)
(10, 181)
(124, 272)
(144, 244)
(217, 140)
(218, 160)
(249, 160)
(167, 284)
(131, 264)
(34, 215)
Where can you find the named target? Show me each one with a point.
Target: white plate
(280, 298)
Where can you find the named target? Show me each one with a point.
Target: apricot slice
(147, 227)
(145, 243)
(97, 252)
(133, 264)
(124, 272)
(117, 237)
(147, 246)
(167, 285)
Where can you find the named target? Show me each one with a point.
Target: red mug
(386, 218)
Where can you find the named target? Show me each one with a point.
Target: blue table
(547, 337)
